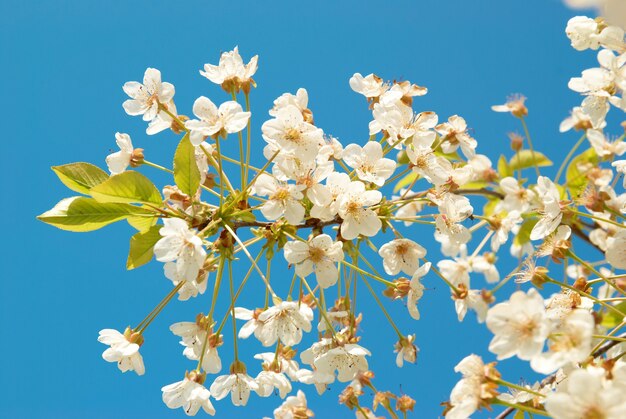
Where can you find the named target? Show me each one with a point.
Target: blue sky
(63, 65)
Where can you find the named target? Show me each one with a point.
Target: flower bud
(177, 125)
(517, 141)
(137, 157)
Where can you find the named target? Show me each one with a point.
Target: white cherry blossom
(320, 255)
(120, 160)
(238, 385)
(519, 326)
(401, 255)
(283, 199)
(369, 163)
(353, 208)
(123, 349)
(188, 394)
(145, 98)
(229, 118)
(231, 73)
(181, 248)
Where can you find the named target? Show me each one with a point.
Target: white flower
(300, 100)
(294, 407)
(516, 198)
(353, 209)
(370, 86)
(467, 395)
(285, 322)
(283, 199)
(231, 73)
(347, 360)
(586, 394)
(336, 185)
(237, 384)
(188, 394)
(270, 380)
(603, 147)
(473, 300)
(602, 81)
(452, 211)
(616, 250)
(181, 249)
(570, 343)
(578, 120)
(401, 255)
(228, 119)
(416, 290)
(503, 227)
(145, 98)
(435, 169)
(124, 349)
(119, 161)
(193, 336)
(400, 123)
(515, 105)
(551, 214)
(520, 326)
(286, 365)
(586, 33)
(620, 166)
(320, 255)
(582, 31)
(163, 120)
(292, 134)
(407, 351)
(454, 135)
(369, 163)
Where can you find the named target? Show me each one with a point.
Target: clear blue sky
(63, 65)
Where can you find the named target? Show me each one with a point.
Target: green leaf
(142, 247)
(142, 223)
(80, 177)
(82, 214)
(575, 178)
(490, 207)
(127, 187)
(523, 235)
(504, 169)
(186, 172)
(405, 181)
(612, 319)
(524, 159)
(519, 414)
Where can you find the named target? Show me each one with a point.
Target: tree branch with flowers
(321, 207)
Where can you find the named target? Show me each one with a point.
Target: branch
(481, 191)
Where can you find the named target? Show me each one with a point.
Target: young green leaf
(523, 235)
(186, 172)
(526, 158)
(142, 223)
(80, 177)
(142, 247)
(127, 187)
(576, 180)
(405, 181)
(80, 214)
(504, 170)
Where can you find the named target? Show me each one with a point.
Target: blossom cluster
(319, 205)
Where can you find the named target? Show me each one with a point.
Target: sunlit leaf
(127, 187)
(80, 177)
(142, 247)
